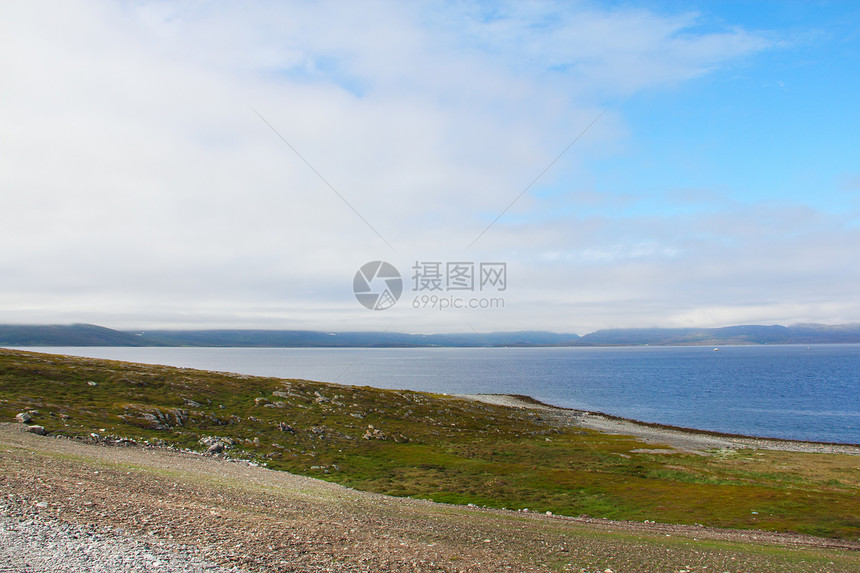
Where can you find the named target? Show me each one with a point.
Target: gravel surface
(33, 543)
(66, 501)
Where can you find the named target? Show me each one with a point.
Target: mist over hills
(745, 334)
(92, 335)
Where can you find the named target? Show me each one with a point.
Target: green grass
(433, 447)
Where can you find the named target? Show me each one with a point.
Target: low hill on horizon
(744, 334)
(66, 335)
(93, 335)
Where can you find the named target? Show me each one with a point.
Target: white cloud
(139, 187)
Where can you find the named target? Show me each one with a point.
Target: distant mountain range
(92, 335)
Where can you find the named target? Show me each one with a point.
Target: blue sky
(146, 181)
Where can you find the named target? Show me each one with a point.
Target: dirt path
(262, 520)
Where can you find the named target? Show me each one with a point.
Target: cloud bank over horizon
(224, 165)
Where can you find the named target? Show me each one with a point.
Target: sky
(564, 166)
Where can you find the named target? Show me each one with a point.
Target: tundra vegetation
(431, 446)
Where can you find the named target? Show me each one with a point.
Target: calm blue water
(794, 392)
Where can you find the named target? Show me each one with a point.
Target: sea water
(791, 392)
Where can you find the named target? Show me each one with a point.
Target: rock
(154, 418)
(23, 417)
(213, 443)
(38, 430)
(284, 427)
(373, 433)
(192, 403)
(215, 419)
(260, 401)
(92, 383)
(320, 399)
(280, 394)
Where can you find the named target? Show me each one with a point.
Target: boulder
(211, 440)
(373, 433)
(23, 417)
(38, 430)
(154, 418)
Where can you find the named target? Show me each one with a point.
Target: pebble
(31, 542)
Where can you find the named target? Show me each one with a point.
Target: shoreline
(681, 439)
(596, 420)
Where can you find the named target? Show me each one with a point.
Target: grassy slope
(239, 514)
(433, 447)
